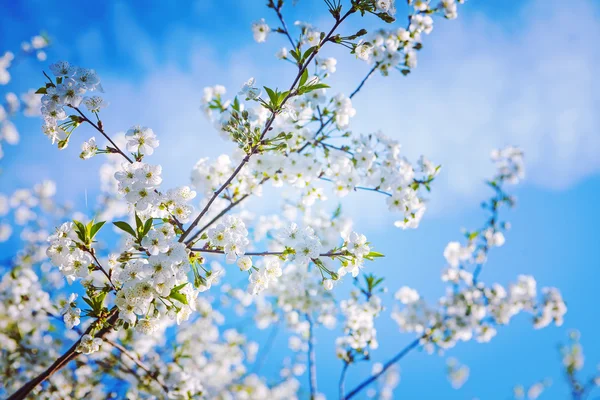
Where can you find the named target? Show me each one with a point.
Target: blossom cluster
(367, 162)
(28, 102)
(68, 91)
(397, 49)
(470, 309)
(359, 327)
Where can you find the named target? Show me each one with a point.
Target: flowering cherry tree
(121, 303)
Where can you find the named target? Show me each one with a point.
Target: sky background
(505, 72)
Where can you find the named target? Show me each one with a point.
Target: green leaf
(80, 230)
(372, 255)
(307, 89)
(125, 227)
(318, 86)
(176, 289)
(282, 97)
(273, 96)
(138, 223)
(147, 227)
(337, 212)
(95, 228)
(386, 17)
(88, 228)
(179, 297)
(304, 77)
(90, 302)
(41, 90)
(308, 52)
(295, 54)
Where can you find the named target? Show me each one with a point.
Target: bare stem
(414, 344)
(342, 383)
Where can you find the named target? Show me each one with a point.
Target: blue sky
(504, 73)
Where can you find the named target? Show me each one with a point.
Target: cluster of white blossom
(68, 90)
(24, 325)
(471, 309)
(64, 252)
(397, 49)
(26, 206)
(359, 327)
(368, 162)
(161, 271)
(509, 163)
(29, 101)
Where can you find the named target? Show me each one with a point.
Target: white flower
(454, 254)
(357, 245)
(245, 263)
(260, 30)
(363, 51)
(94, 103)
(282, 53)
(88, 149)
(141, 140)
(249, 90)
(406, 295)
(89, 344)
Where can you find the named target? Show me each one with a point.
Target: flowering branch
(267, 127)
(100, 129)
(69, 355)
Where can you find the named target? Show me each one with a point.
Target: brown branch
(63, 360)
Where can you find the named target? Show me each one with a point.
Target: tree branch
(414, 344)
(63, 360)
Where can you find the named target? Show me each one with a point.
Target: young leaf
(95, 228)
(147, 227)
(304, 77)
(138, 223)
(179, 297)
(125, 227)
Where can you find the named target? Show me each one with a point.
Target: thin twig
(139, 363)
(414, 344)
(266, 349)
(342, 383)
(312, 362)
(101, 130)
